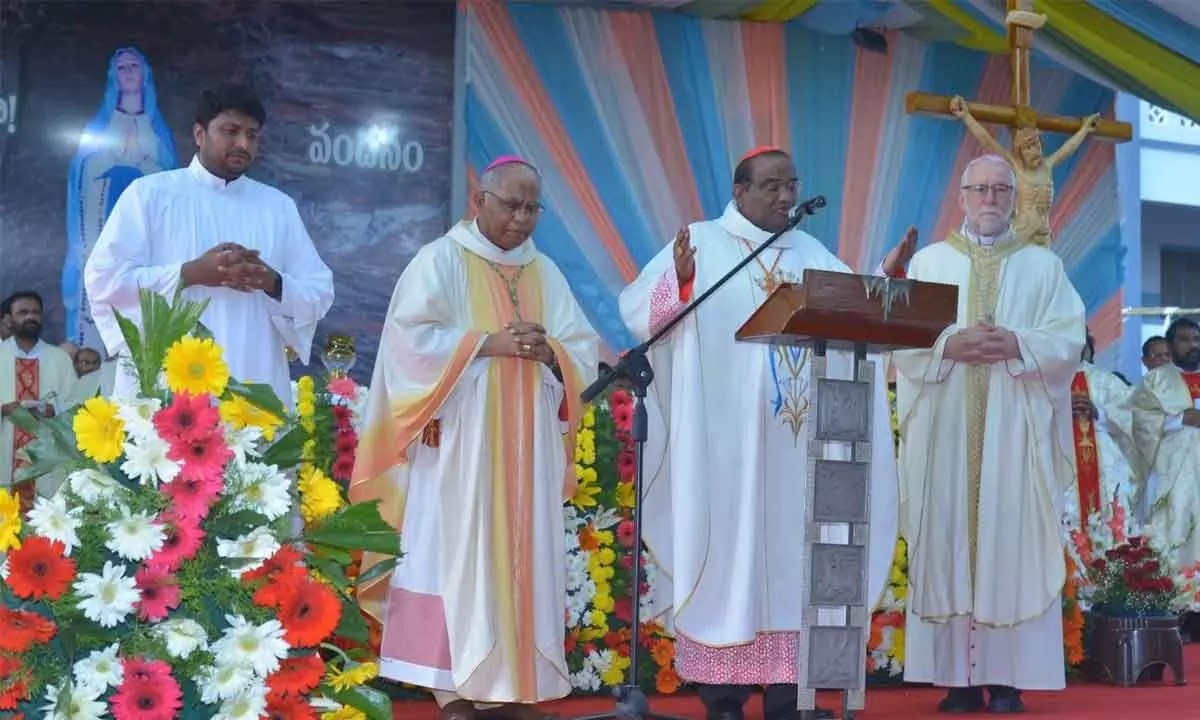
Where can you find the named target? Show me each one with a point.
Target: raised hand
(685, 256)
(897, 259)
(958, 106)
(1091, 122)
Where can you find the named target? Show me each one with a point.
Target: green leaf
(259, 395)
(352, 626)
(337, 555)
(235, 524)
(52, 449)
(329, 570)
(377, 570)
(374, 704)
(287, 450)
(357, 527)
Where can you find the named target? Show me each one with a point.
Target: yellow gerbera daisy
(240, 413)
(99, 433)
(319, 496)
(10, 521)
(353, 675)
(345, 712)
(196, 367)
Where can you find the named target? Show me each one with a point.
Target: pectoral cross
(1021, 23)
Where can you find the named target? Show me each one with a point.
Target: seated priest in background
(35, 375)
(1105, 456)
(1156, 352)
(94, 376)
(1166, 425)
(723, 497)
(469, 443)
(986, 442)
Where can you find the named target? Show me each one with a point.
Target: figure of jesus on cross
(1035, 176)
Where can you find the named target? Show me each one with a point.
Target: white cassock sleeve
(307, 287)
(120, 264)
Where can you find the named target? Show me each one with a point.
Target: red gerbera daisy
(14, 682)
(343, 467)
(186, 419)
(183, 540)
(148, 692)
(341, 414)
(296, 675)
(21, 630)
(202, 458)
(160, 593)
(191, 496)
(309, 612)
(345, 441)
(289, 708)
(39, 569)
(285, 560)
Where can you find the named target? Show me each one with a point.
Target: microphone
(808, 207)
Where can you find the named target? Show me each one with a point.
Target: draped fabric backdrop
(636, 120)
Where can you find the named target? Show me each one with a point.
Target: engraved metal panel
(843, 411)
(836, 658)
(841, 491)
(837, 575)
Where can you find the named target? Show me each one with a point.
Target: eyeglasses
(516, 206)
(999, 190)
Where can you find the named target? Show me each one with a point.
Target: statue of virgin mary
(126, 139)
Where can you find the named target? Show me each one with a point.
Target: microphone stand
(634, 367)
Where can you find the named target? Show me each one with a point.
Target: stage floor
(1080, 701)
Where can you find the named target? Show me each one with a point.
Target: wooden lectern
(862, 314)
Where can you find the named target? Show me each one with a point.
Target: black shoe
(725, 712)
(818, 714)
(1004, 700)
(962, 700)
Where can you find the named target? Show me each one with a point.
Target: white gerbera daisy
(93, 487)
(224, 682)
(255, 547)
(138, 416)
(72, 703)
(107, 598)
(265, 490)
(259, 647)
(182, 637)
(243, 442)
(248, 705)
(3, 566)
(100, 670)
(135, 536)
(51, 519)
(147, 461)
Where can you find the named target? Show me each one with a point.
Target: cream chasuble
(166, 219)
(1104, 447)
(472, 460)
(54, 380)
(986, 459)
(1172, 451)
(726, 456)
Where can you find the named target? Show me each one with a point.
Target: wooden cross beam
(1020, 45)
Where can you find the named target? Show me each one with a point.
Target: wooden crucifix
(1034, 173)
(1020, 44)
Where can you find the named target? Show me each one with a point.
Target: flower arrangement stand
(1125, 647)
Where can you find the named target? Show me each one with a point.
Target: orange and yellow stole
(28, 388)
(1087, 456)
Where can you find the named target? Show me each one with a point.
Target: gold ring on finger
(526, 348)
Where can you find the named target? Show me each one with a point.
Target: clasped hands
(232, 266)
(523, 340)
(982, 344)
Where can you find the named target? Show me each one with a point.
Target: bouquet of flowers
(179, 572)
(1123, 573)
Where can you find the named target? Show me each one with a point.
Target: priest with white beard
(728, 447)
(223, 237)
(986, 459)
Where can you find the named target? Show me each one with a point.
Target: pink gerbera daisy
(160, 593)
(187, 418)
(202, 458)
(343, 387)
(148, 692)
(192, 496)
(183, 540)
